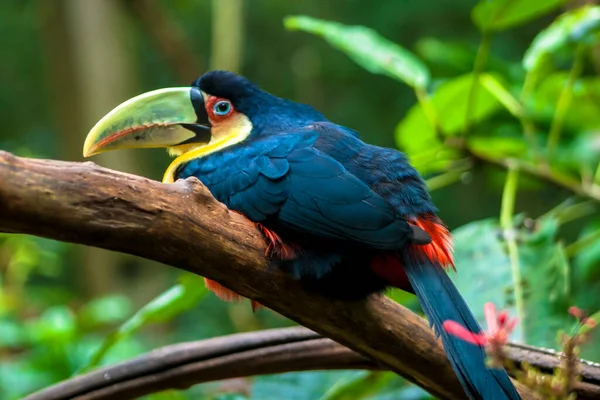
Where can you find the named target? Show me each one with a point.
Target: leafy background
(497, 104)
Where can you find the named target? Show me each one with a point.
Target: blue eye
(222, 107)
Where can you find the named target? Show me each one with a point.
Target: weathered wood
(182, 365)
(182, 225)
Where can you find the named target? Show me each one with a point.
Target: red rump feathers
(440, 248)
(388, 265)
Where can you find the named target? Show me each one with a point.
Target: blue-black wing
(282, 176)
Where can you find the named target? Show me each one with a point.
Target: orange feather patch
(221, 291)
(226, 294)
(276, 246)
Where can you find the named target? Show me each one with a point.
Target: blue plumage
(341, 202)
(289, 181)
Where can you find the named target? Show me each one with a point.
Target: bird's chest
(217, 172)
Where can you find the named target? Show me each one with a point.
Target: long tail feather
(441, 301)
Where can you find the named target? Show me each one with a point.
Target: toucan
(346, 218)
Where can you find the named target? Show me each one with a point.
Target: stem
(509, 196)
(429, 110)
(528, 85)
(526, 123)
(567, 213)
(445, 179)
(540, 171)
(596, 180)
(581, 243)
(564, 101)
(480, 61)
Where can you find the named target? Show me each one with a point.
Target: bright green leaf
(586, 97)
(367, 48)
(575, 27)
(455, 55)
(174, 301)
(497, 15)
(360, 386)
(56, 324)
(415, 135)
(105, 310)
(497, 88)
(498, 146)
(400, 296)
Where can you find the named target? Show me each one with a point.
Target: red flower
(499, 328)
(577, 312)
(582, 317)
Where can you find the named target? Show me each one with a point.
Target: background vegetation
(497, 103)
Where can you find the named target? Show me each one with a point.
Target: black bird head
(262, 108)
(218, 110)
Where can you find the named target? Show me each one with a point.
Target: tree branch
(542, 171)
(182, 225)
(271, 351)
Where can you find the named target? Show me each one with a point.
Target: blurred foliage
(467, 90)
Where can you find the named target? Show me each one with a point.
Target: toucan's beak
(160, 118)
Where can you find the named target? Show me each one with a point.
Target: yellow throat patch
(225, 134)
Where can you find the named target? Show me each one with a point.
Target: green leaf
(497, 15)
(484, 274)
(501, 93)
(415, 135)
(12, 334)
(56, 324)
(358, 387)
(401, 296)
(587, 261)
(568, 30)
(174, 301)
(367, 48)
(105, 310)
(498, 146)
(586, 95)
(453, 55)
